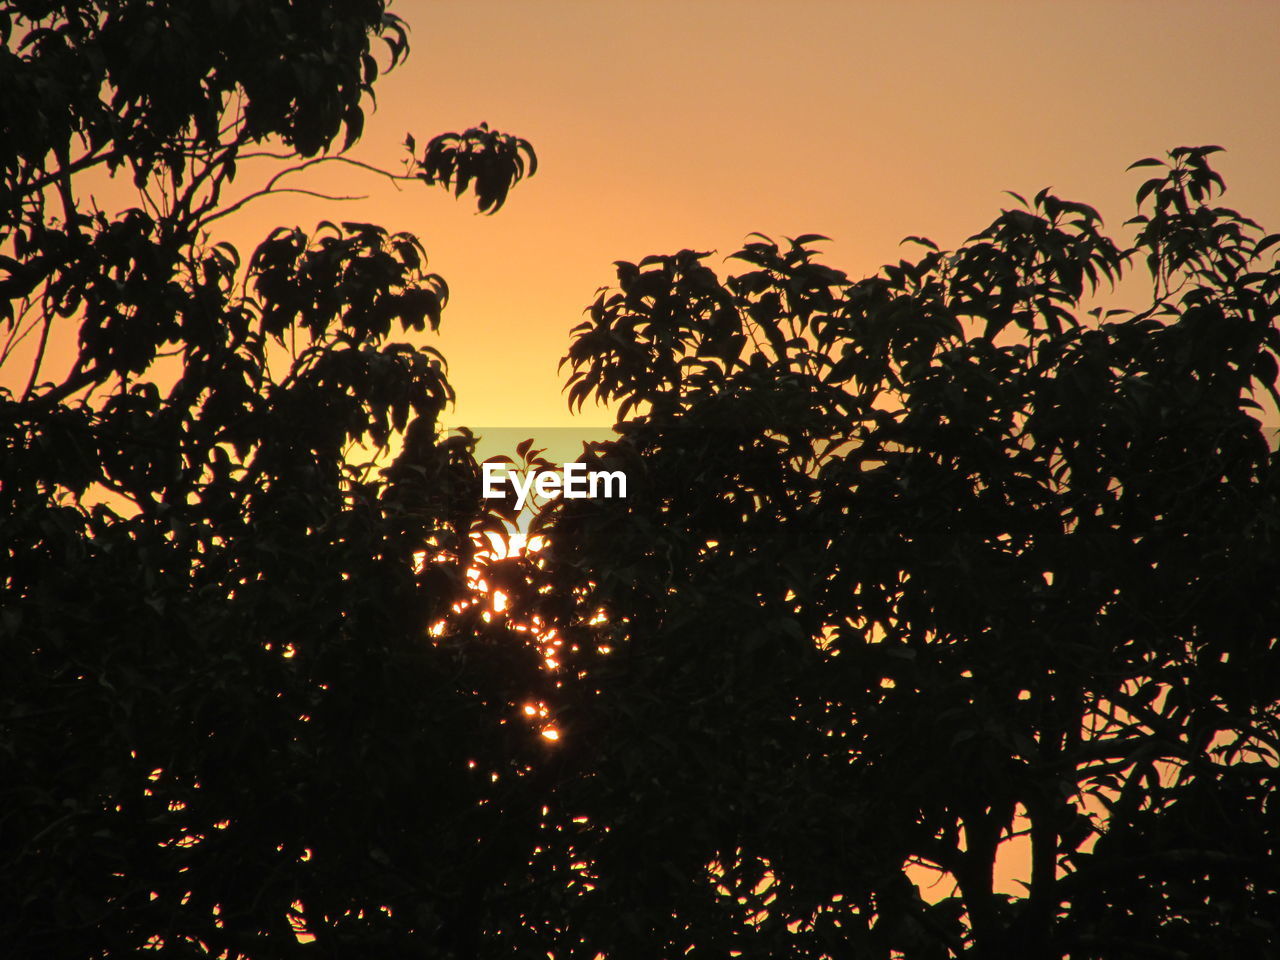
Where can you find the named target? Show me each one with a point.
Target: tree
(222, 720)
(911, 564)
(918, 564)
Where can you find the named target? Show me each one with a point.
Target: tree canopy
(222, 720)
(921, 563)
(914, 569)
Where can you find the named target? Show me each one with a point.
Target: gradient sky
(662, 125)
(667, 124)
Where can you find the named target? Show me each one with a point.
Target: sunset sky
(669, 124)
(663, 125)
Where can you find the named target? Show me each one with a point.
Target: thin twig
(19, 330)
(39, 359)
(347, 160)
(266, 191)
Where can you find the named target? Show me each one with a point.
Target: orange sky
(662, 124)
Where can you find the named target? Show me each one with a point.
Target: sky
(664, 125)
(661, 125)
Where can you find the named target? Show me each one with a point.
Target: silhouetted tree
(916, 564)
(221, 717)
(910, 565)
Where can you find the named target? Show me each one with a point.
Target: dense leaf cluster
(223, 715)
(488, 161)
(914, 568)
(923, 561)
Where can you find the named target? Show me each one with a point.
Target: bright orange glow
(297, 921)
(676, 142)
(685, 136)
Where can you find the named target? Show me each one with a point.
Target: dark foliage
(222, 719)
(910, 564)
(918, 562)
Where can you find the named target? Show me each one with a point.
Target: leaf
(1268, 241)
(1145, 190)
(925, 241)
